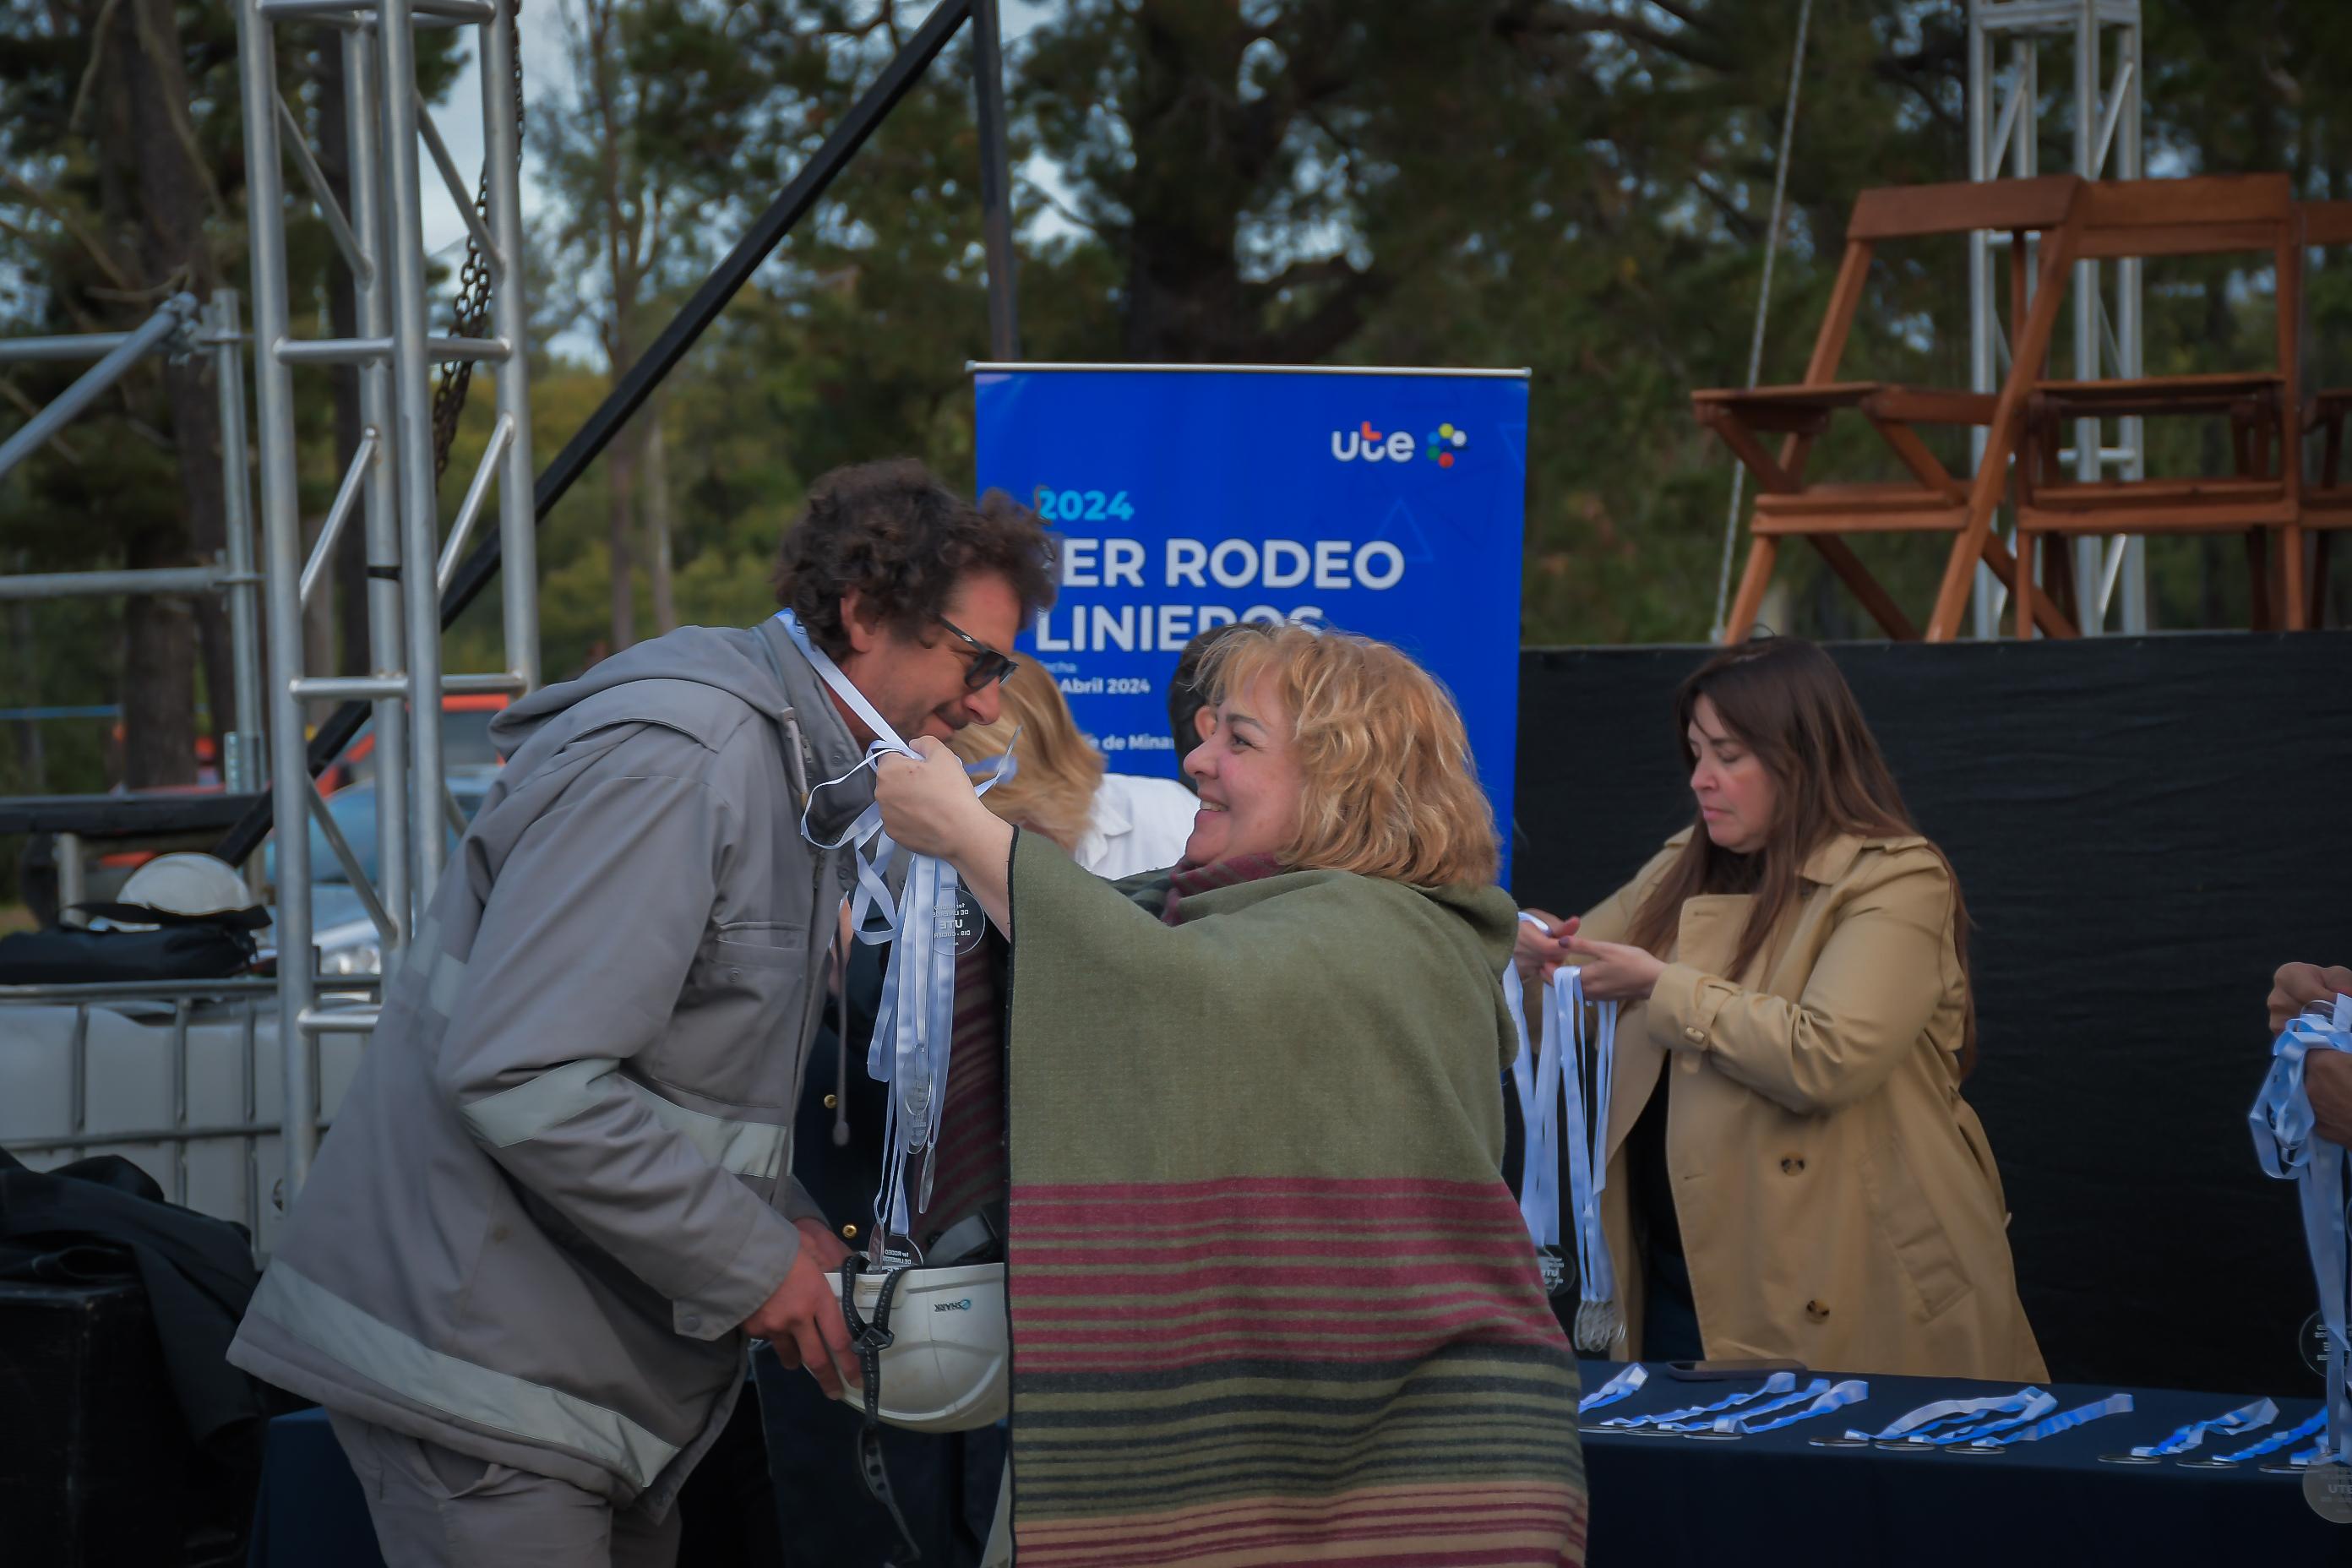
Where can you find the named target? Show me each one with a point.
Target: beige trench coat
(1838, 1202)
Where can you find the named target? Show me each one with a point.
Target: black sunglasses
(988, 668)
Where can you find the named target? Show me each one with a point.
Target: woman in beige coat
(1791, 1170)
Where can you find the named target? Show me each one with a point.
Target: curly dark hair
(890, 531)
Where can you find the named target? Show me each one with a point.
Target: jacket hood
(729, 658)
(759, 665)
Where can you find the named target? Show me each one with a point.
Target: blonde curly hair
(1391, 788)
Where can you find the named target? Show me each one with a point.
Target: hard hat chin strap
(869, 1340)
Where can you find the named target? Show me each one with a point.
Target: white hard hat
(946, 1368)
(187, 883)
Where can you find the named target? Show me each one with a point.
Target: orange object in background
(465, 740)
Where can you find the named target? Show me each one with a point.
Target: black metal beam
(806, 189)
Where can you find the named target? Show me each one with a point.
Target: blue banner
(1389, 504)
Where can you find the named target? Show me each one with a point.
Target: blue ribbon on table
(1927, 1418)
(1683, 1420)
(2272, 1443)
(2289, 1148)
(2245, 1418)
(1620, 1387)
(1829, 1397)
(2082, 1414)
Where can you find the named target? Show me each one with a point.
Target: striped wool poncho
(1272, 1302)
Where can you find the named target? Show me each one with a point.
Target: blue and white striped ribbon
(1620, 1387)
(2082, 1414)
(1535, 1074)
(1683, 1420)
(1599, 1323)
(2290, 1150)
(914, 1025)
(1568, 1059)
(2314, 1422)
(1927, 1418)
(2251, 1418)
(1982, 1432)
(1834, 1397)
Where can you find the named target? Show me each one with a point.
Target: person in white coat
(1113, 825)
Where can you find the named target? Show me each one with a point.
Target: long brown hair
(1784, 701)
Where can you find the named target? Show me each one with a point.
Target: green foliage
(1579, 186)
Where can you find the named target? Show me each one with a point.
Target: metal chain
(474, 283)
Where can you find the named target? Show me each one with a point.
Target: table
(1770, 1499)
(1776, 1497)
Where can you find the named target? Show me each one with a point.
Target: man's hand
(818, 1238)
(2298, 986)
(802, 1320)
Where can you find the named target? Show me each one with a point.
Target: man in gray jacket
(557, 1198)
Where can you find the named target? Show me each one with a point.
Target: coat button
(1793, 1164)
(1816, 1311)
(831, 1100)
(734, 974)
(690, 1323)
(1690, 1063)
(849, 1233)
(1695, 1036)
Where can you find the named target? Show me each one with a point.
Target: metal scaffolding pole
(517, 524)
(241, 770)
(169, 321)
(2004, 143)
(281, 534)
(412, 424)
(380, 491)
(392, 479)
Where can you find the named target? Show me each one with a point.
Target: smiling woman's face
(1249, 780)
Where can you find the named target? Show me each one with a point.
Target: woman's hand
(1613, 972)
(1538, 950)
(930, 806)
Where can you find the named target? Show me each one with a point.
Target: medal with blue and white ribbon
(2290, 1149)
(927, 926)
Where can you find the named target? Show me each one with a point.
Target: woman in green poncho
(1271, 1300)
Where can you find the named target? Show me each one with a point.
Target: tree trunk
(145, 129)
(653, 483)
(1184, 296)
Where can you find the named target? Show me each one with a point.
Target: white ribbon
(1599, 1321)
(1560, 1070)
(1618, 1388)
(1535, 1073)
(1830, 1397)
(2245, 1418)
(914, 1027)
(2290, 1150)
(1684, 1419)
(1918, 1422)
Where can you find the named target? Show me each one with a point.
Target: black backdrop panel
(2144, 829)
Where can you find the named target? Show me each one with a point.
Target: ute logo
(1364, 444)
